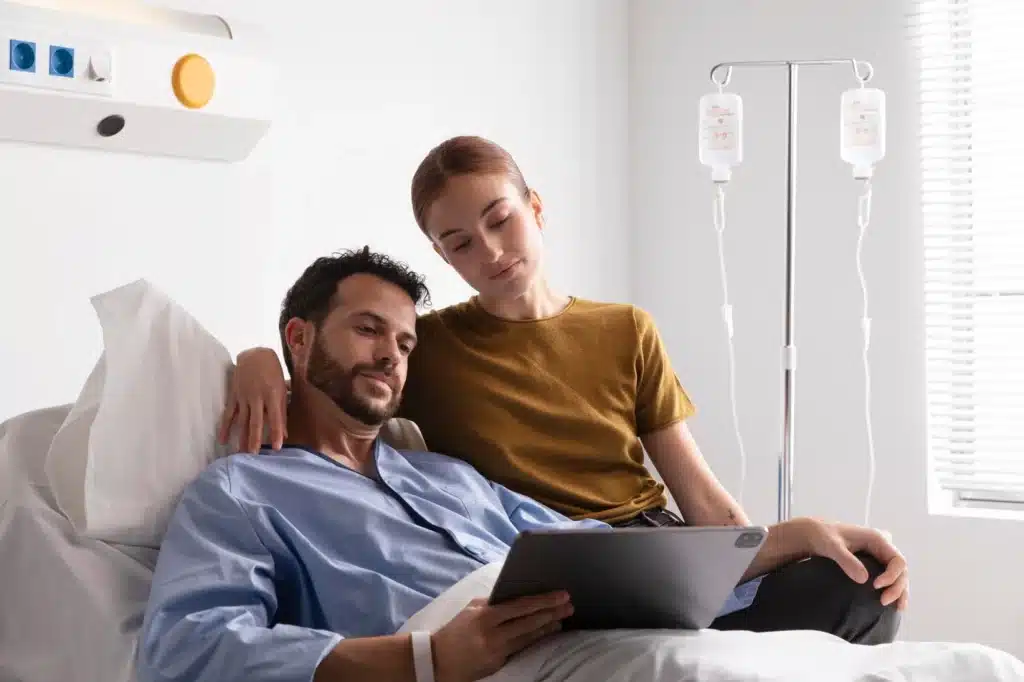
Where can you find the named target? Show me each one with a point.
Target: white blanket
(712, 656)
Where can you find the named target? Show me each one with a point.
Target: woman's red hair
(463, 155)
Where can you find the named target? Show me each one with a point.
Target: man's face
(359, 356)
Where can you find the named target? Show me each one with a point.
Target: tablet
(637, 578)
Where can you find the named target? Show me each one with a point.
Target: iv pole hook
(854, 63)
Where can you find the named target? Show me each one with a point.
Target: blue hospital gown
(270, 560)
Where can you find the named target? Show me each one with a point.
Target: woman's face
(485, 229)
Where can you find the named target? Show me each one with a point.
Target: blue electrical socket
(62, 61)
(22, 55)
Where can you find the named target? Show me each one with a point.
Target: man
(303, 563)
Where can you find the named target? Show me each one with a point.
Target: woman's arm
(660, 400)
(257, 396)
(702, 499)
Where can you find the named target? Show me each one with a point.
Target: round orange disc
(193, 81)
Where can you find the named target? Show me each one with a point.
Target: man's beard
(338, 384)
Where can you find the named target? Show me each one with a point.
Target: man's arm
(369, 659)
(702, 499)
(210, 616)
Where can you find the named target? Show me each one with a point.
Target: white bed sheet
(71, 606)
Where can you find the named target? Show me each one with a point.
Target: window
(971, 70)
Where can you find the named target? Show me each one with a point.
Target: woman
(554, 396)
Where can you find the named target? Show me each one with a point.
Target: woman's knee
(855, 610)
(875, 622)
(874, 566)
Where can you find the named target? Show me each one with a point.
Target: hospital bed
(86, 489)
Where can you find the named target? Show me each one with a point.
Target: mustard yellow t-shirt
(551, 408)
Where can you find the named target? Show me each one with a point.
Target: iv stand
(785, 501)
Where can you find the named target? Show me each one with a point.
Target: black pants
(812, 594)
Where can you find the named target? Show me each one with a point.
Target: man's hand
(840, 542)
(478, 641)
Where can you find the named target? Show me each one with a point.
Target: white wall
(964, 572)
(374, 86)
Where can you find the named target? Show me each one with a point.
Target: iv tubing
(863, 217)
(719, 220)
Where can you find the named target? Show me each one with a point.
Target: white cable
(719, 220)
(863, 217)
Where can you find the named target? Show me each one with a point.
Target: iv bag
(862, 129)
(720, 132)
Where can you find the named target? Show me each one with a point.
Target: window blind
(971, 75)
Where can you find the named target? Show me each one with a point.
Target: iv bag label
(720, 128)
(862, 123)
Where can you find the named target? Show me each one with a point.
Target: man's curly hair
(311, 297)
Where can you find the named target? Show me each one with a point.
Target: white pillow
(145, 423)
